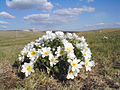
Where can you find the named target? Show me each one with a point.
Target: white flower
(21, 57)
(69, 35)
(27, 48)
(40, 41)
(75, 36)
(64, 41)
(71, 55)
(37, 44)
(45, 51)
(68, 46)
(30, 45)
(53, 60)
(48, 32)
(24, 52)
(82, 45)
(27, 68)
(86, 53)
(53, 49)
(88, 64)
(82, 39)
(44, 37)
(71, 74)
(59, 51)
(105, 37)
(47, 36)
(59, 34)
(50, 35)
(75, 64)
(32, 54)
(78, 45)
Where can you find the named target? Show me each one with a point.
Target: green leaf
(56, 69)
(47, 63)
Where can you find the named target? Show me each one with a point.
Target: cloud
(43, 5)
(6, 15)
(90, 1)
(3, 26)
(46, 20)
(57, 18)
(104, 25)
(101, 15)
(36, 16)
(118, 23)
(57, 4)
(73, 11)
(3, 22)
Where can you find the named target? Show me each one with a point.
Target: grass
(105, 53)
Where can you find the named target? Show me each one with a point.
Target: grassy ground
(105, 53)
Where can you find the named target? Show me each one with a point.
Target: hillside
(105, 47)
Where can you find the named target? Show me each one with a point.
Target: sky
(59, 14)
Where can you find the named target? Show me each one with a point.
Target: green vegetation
(105, 47)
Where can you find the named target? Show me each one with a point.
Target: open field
(105, 53)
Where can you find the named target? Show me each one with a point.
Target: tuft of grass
(105, 53)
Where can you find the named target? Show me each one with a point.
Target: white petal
(73, 69)
(75, 73)
(23, 70)
(26, 74)
(69, 60)
(33, 70)
(75, 61)
(82, 63)
(91, 63)
(77, 70)
(68, 77)
(88, 68)
(78, 60)
(72, 77)
(79, 66)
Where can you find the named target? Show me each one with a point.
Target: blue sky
(59, 14)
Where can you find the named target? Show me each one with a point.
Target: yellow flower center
(52, 60)
(84, 54)
(28, 68)
(46, 53)
(74, 64)
(37, 45)
(61, 52)
(70, 72)
(86, 63)
(24, 53)
(32, 53)
(68, 49)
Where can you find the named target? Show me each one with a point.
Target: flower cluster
(60, 54)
